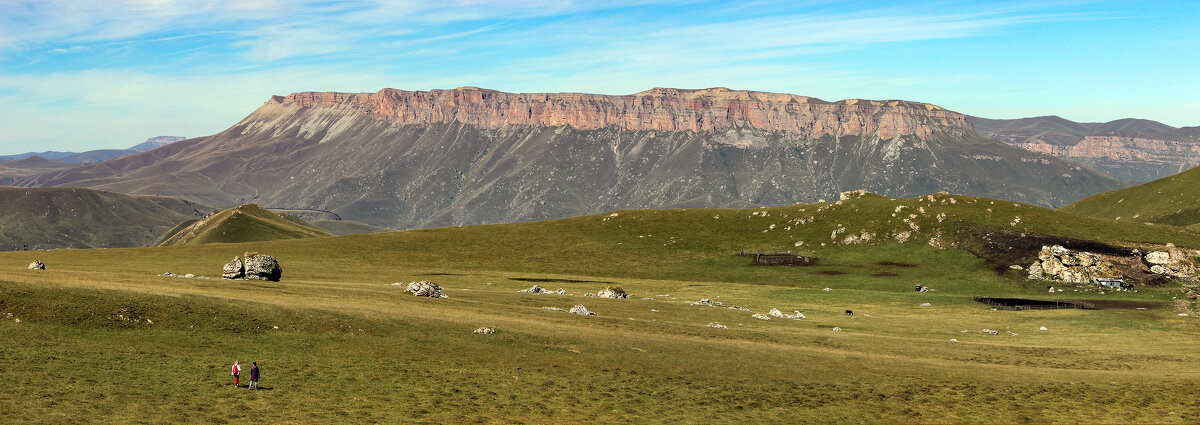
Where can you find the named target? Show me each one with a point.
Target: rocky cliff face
(402, 159)
(1130, 150)
(660, 109)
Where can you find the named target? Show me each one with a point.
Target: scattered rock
(589, 294)
(1042, 329)
(581, 310)
(991, 332)
(717, 325)
(17, 320)
(37, 265)
(485, 331)
(708, 302)
(760, 316)
(552, 308)
(926, 305)
(1182, 315)
(1016, 267)
(234, 269)
(837, 329)
(533, 290)
(425, 288)
(613, 292)
(775, 313)
(826, 289)
(262, 267)
(953, 340)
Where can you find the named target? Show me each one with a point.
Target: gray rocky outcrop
(37, 265)
(425, 288)
(1056, 263)
(1173, 262)
(234, 269)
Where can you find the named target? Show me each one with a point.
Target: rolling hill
(1133, 150)
(1173, 201)
(44, 218)
(414, 159)
(246, 223)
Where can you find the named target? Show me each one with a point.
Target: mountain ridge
(415, 159)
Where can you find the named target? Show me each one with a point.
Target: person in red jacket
(237, 372)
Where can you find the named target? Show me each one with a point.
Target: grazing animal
(849, 312)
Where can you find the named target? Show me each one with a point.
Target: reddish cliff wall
(657, 109)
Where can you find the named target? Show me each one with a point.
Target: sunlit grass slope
(1172, 200)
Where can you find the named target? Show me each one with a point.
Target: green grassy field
(245, 223)
(102, 338)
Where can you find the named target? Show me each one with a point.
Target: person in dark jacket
(253, 375)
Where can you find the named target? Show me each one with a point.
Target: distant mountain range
(99, 155)
(1132, 150)
(409, 159)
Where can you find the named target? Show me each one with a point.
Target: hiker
(253, 375)
(237, 372)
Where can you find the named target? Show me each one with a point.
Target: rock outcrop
(425, 288)
(1056, 263)
(37, 265)
(1173, 262)
(234, 269)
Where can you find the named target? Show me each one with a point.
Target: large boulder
(613, 292)
(425, 288)
(262, 267)
(37, 265)
(234, 269)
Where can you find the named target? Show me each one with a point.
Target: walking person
(254, 375)
(237, 372)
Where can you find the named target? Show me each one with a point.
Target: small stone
(953, 340)
(926, 305)
(485, 330)
(1182, 315)
(760, 316)
(1043, 329)
(581, 310)
(827, 289)
(775, 313)
(717, 325)
(37, 265)
(837, 329)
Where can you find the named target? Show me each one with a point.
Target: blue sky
(78, 75)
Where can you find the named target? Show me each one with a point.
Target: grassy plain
(102, 338)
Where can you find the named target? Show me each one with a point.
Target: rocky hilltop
(660, 109)
(409, 159)
(1129, 149)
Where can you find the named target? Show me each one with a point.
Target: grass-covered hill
(245, 223)
(45, 218)
(1172, 200)
(116, 342)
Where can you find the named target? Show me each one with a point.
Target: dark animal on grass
(849, 312)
